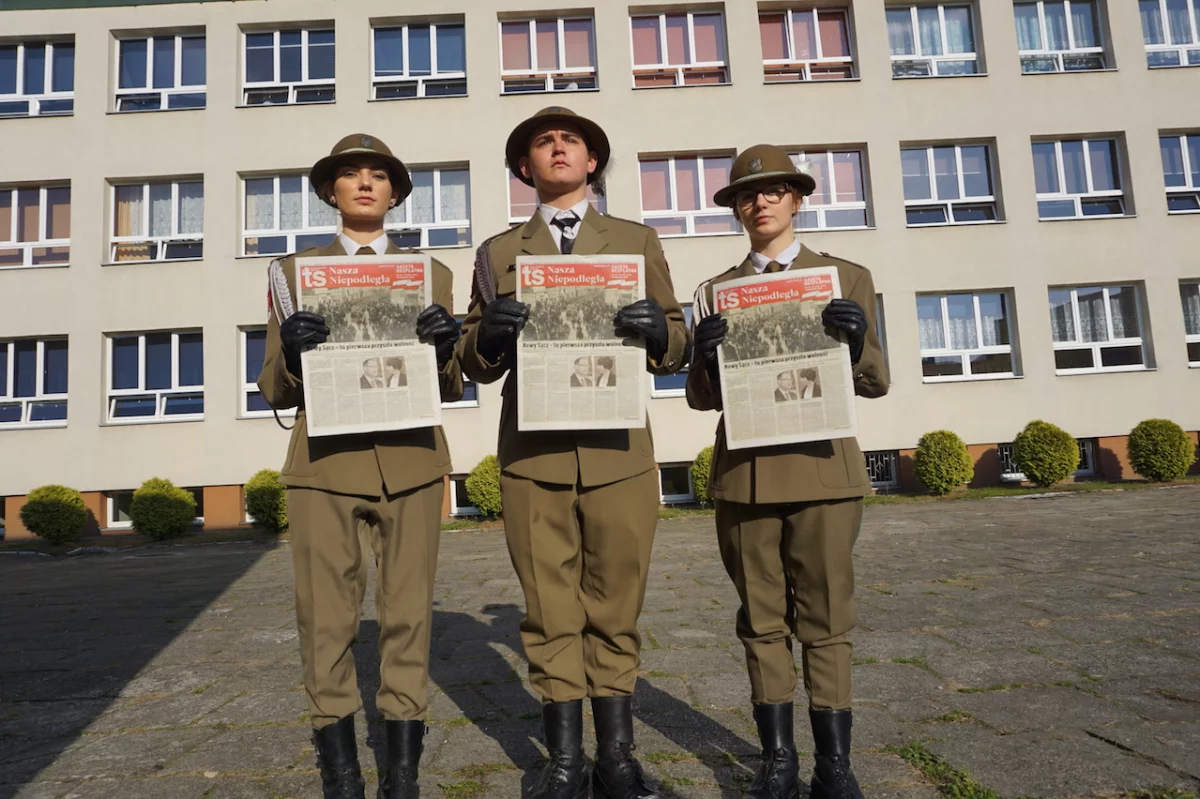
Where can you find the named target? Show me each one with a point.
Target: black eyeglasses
(773, 194)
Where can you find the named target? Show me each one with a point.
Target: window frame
(457, 510)
(804, 66)
(467, 381)
(667, 393)
(164, 95)
(822, 209)
(308, 196)
(160, 243)
(676, 499)
(550, 77)
(435, 74)
(27, 247)
(247, 388)
(1096, 347)
(1058, 56)
(948, 206)
(874, 459)
(399, 228)
(1183, 50)
(1190, 338)
(934, 60)
(48, 94)
(705, 195)
(8, 396)
(679, 71)
(292, 87)
(110, 502)
(161, 395)
(1092, 194)
(1191, 187)
(964, 353)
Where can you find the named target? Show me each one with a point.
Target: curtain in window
(320, 213)
(420, 202)
(772, 33)
(900, 32)
(1191, 308)
(454, 200)
(160, 209)
(58, 213)
(959, 36)
(191, 208)
(291, 203)
(514, 45)
(1029, 30)
(1181, 26)
(1122, 303)
(260, 204)
(1085, 24)
(1062, 316)
(547, 44)
(1152, 22)
(1057, 37)
(930, 27)
(835, 38)
(656, 190)
(961, 310)
(678, 51)
(929, 323)
(128, 212)
(647, 49)
(716, 176)
(709, 33)
(1092, 320)
(993, 319)
(687, 184)
(1193, 147)
(577, 43)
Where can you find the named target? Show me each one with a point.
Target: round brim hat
(518, 141)
(355, 145)
(765, 163)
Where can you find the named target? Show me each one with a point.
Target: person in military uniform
(787, 517)
(580, 507)
(387, 486)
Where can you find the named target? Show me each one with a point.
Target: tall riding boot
(618, 774)
(779, 774)
(337, 757)
(833, 778)
(399, 777)
(566, 775)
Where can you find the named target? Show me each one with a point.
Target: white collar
(548, 212)
(784, 258)
(351, 246)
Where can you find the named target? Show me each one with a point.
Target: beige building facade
(1023, 180)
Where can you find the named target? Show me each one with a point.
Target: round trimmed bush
(942, 462)
(1160, 450)
(1045, 453)
(162, 510)
(55, 513)
(266, 502)
(483, 487)
(701, 468)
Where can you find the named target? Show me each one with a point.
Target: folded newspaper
(783, 378)
(372, 374)
(573, 371)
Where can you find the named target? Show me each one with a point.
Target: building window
(460, 504)
(675, 483)
(253, 353)
(948, 185)
(37, 79)
(840, 198)
(1189, 293)
(964, 336)
(932, 41)
(1059, 36)
(120, 509)
(680, 49)
(33, 383)
(677, 195)
(160, 73)
(675, 384)
(548, 54)
(437, 213)
(158, 221)
(35, 226)
(1009, 471)
(428, 60)
(1088, 466)
(1181, 172)
(1171, 31)
(156, 376)
(285, 67)
(801, 44)
(883, 467)
(283, 215)
(523, 201)
(1078, 178)
(470, 397)
(1097, 328)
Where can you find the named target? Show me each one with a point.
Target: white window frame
(110, 502)
(1058, 55)
(309, 196)
(247, 388)
(676, 499)
(1191, 186)
(679, 70)
(8, 397)
(1087, 458)
(551, 78)
(435, 76)
(1092, 193)
(48, 94)
(667, 393)
(1190, 338)
(292, 87)
(834, 204)
(1008, 464)
(164, 95)
(1181, 49)
(689, 217)
(804, 66)
(27, 247)
(160, 394)
(455, 508)
(888, 458)
(934, 61)
(392, 224)
(965, 353)
(159, 243)
(948, 206)
(1098, 346)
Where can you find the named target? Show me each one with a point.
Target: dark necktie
(566, 223)
(774, 266)
(365, 251)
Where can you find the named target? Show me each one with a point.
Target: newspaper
(573, 371)
(372, 374)
(783, 378)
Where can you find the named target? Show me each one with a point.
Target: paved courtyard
(1049, 646)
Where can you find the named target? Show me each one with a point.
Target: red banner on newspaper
(806, 288)
(400, 275)
(602, 275)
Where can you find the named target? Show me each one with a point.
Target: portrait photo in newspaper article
(573, 371)
(783, 378)
(372, 374)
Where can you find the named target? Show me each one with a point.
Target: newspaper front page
(783, 378)
(372, 374)
(573, 371)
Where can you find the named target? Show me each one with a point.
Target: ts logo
(727, 301)
(533, 276)
(313, 278)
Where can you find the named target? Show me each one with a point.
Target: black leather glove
(645, 318)
(707, 336)
(848, 315)
(436, 325)
(502, 320)
(301, 331)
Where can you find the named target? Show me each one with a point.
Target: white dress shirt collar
(351, 246)
(548, 213)
(784, 258)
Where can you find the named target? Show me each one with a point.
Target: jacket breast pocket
(506, 286)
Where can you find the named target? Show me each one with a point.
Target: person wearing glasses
(788, 516)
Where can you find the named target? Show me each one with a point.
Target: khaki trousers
(329, 533)
(582, 556)
(793, 571)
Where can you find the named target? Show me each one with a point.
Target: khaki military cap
(359, 144)
(764, 164)
(518, 141)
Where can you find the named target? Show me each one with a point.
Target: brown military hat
(518, 141)
(358, 144)
(762, 164)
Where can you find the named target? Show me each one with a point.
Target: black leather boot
(779, 774)
(399, 777)
(337, 757)
(618, 774)
(566, 775)
(833, 778)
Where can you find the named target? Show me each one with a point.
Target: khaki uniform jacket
(812, 471)
(594, 457)
(363, 464)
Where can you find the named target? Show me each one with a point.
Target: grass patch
(462, 790)
(667, 757)
(478, 770)
(863, 661)
(992, 492)
(1160, 792)
(461, 721)
(458, 524)
(671, 512)
(883, 591)
(950, 781)
(655, 673)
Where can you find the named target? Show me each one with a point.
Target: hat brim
(325, 170)
(517, 146)
(726, 195)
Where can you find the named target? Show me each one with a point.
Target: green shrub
(266, 502)
(162, 510)
(1160, 450)
(55, 513)
(483, 487)
(942, 462)
(701, 468)
(1045, 453)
